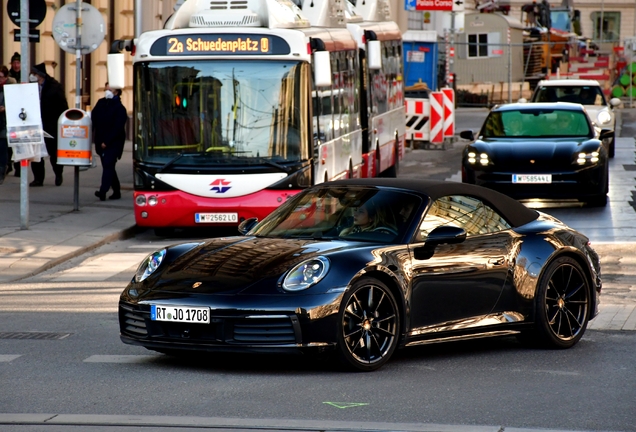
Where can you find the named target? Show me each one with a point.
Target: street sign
(37, 12)
(65, 29)
(34, 35)
(435, 5)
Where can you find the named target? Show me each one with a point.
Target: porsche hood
(231, 265)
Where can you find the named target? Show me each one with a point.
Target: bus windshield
(230, 112)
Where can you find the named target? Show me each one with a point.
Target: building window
(478, 45)
(611, 29)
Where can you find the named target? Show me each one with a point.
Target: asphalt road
(86, 379)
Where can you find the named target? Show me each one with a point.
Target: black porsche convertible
(547, 151)
(364, 267)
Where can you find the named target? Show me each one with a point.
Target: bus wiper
(274, 164)
(173, 160)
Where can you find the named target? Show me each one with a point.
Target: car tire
(612, 147)
(368, 325)
(598, 201)
(562, 304)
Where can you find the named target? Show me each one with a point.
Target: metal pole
(509, 68)
(78, 90)
(138, 17)
(452, 50)
(24, 77)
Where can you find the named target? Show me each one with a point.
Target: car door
(459, 284)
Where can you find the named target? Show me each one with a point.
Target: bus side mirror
(116, 71)
(374, 54)
(322, 69)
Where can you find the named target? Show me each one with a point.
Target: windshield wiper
(274, 164)
(173, 160)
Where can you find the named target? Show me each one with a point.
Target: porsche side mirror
(606, 134)
(446, 235)
(467, 135)
(247, 225)
(440, 235)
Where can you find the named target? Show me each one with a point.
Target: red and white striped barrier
(437, 117)
(418, 112)
(449, 112)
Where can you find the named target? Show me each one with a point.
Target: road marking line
(6, 358)
(120, 358)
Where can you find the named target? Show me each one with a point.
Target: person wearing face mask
(109, 118)
(52, 104)
(16, 66)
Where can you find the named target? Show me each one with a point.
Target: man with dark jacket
(109, 119)
(52, 104)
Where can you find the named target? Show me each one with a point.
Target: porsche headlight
(149, 265)
(603, 117)
(306, 274)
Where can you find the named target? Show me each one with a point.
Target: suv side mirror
(522, 100)
(467, 135)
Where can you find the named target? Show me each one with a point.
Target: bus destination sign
(220, 44)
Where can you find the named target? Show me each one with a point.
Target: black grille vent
(34, 335)
(133, 321)
(264, 330)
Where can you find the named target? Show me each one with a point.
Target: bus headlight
(140, 200)
(603, 117)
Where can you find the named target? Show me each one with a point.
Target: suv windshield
(584, 95)
(352, 213)
(221, 112)
(537, 123)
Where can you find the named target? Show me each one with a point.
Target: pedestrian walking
(16, 67)
(52, 104)
(5, 78)
(4, 147)
(109, 119)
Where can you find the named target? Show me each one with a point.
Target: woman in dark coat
(109, 119)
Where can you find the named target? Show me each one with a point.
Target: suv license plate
(532, 178)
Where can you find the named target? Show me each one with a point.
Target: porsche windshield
(533, 123)
(221, 112)
(352, 213)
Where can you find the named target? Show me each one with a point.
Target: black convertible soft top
(512, 210)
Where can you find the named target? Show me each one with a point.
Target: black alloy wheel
(562, 304)
(369, 325)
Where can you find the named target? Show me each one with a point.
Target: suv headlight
(478, 158)
(149, 265)
(591, 157)
(306, 274)
(603, 117)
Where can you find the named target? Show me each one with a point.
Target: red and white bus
(240, 104)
